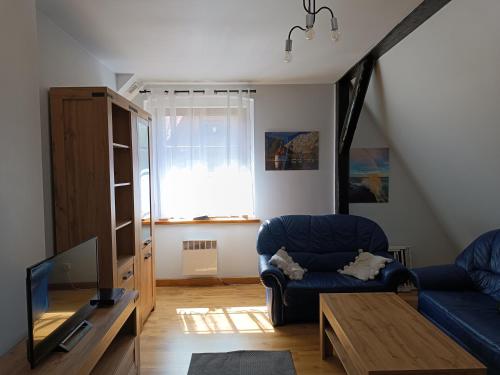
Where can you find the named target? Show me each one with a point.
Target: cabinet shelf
(122, 224)
(119, 355)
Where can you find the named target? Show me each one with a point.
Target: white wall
(237, 256)
(436, 97)
(277, 107)
(21, 199)
(294, 107)
(407, 218)
(63, 62)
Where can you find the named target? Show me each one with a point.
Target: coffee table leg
(325, 345)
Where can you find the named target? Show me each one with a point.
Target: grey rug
(242, 363)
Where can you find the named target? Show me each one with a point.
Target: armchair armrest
(275, 282)
(394, 273)
(446, 277)
(271, 275)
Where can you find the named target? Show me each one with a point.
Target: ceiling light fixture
(309, 31)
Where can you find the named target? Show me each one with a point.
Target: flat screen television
(59, 291)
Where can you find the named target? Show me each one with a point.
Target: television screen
(59, 291)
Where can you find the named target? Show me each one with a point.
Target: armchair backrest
(481, 260)
(320, 234)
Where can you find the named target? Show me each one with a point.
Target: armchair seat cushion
(306, 291)
(471, 318)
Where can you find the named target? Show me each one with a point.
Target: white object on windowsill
(366, 266)
(284, 262)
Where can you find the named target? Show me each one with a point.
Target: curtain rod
(201, 91)
(247, 91)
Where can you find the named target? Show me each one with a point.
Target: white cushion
(285, 262)
(366, 266)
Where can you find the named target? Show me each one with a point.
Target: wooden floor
(219, 319)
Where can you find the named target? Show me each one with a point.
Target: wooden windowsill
(214, 220)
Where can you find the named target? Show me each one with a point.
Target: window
(203, 152)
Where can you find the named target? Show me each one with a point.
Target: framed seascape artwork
(369, 175)
(292, 151)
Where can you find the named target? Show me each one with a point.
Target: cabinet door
(144, 150)
(147, 279)
(147, 286)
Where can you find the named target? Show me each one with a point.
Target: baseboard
(208, 281)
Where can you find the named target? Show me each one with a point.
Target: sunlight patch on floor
(248, 319)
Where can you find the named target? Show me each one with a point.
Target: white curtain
(203, 154)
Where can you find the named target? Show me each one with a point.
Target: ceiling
(224, 40)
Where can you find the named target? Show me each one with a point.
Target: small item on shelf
(204, 217)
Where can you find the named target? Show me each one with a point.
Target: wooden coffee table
(379, 333)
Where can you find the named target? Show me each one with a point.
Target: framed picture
(369, 175)
(292, 151)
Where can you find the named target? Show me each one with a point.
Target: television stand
(111, 346)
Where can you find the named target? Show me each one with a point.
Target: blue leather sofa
(462, 299)
(322, 244)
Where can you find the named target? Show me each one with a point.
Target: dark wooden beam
(348, 129)
(416, 18)
(363, 77)
(342, 98)
(348, 114)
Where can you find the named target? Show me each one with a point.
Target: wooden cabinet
(101, 158)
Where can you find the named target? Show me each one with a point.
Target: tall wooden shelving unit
(123, 194)
(96, 185)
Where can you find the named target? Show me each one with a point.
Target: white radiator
(199, 258)
(403, 255)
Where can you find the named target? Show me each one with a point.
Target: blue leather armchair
(322, 244)
(462, 298)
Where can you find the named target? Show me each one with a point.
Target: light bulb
(335, 35)
(310, 33)
(288, 50)
(334, 31)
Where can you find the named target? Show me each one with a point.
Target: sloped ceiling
(224, 40)
(436, 97)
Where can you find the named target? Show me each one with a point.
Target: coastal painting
(292, 151)
(369, 175)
